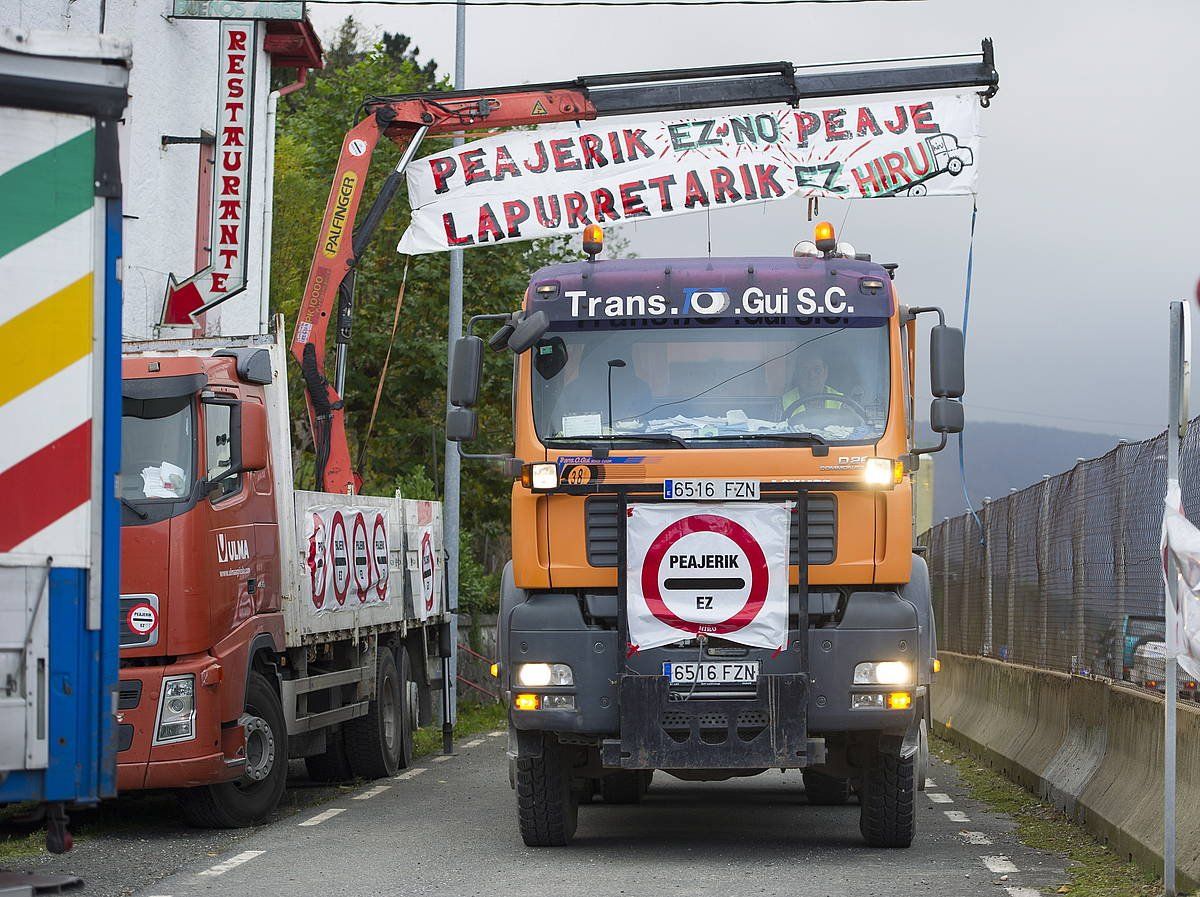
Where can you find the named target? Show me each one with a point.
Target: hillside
(1000, 456)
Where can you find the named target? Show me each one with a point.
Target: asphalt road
(449, 827)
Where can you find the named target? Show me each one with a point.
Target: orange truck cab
(713, 566)
(260, 622)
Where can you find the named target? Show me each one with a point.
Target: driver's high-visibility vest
(793, 406)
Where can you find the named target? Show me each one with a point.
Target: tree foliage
(407, 445)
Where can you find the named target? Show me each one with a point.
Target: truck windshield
(702, 383)
(158, 439)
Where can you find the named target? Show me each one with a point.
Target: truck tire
(888, 817)
(250, 799)
(625, 787)
(333, 765)
(825, 791)
(547, 805)
(375, 741)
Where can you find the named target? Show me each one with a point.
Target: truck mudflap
(659, 731)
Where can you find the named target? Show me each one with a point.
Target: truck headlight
(176, 710)
(540, 477)
(539, 675)
(883, 672)
(883, 473)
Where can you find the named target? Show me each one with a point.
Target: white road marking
(442, 758)
(321, 817)
(1000, 865)
(939, 797)
(976, 838)
(367, 795)
(499, 733)
(956, 816)
(1023, 892)
(411, 774)
(476, 743)
(930, 783)
(233, 862)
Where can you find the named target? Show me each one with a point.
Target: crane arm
(409, 119)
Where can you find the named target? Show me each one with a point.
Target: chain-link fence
(1066, 574)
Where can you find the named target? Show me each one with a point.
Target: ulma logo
(229, 550)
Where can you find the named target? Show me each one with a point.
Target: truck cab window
(218, 447)
(157, 454)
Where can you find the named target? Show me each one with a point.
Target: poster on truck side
(347, 557)
(707, 570)
(555, 180)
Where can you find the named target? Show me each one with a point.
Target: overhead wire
(594, 3)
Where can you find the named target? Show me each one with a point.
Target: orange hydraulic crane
(409, 119)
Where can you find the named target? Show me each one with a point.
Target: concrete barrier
(1091, 748)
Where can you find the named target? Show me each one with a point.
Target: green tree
(409, 430)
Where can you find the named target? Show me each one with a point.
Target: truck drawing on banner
(260, 622)
(60, 330)
(907, 172)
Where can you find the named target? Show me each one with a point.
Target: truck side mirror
(465, 371)
(462, 425)
(946, 416)
(528, 331)
(253, 436)
(946, 362)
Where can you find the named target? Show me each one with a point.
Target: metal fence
(1064, 574)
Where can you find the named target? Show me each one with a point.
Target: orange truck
(260, 622)
(713, 567)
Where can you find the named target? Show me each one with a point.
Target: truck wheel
(251, 798)
(333, 765)
(825, 791)
(622, 787)
(375, 741)
(547, 805)
(888, 817)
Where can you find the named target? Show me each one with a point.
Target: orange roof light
(824, 236)
(593, 240)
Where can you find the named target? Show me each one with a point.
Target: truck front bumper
(208, 757)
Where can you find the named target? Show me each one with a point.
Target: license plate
(711, 490)
(712, 673)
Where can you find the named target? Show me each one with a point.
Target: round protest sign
(142, 619)
(362, 557)
(340, 553)
(379, 555)
(318, 561)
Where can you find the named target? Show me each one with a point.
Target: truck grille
(600, 521)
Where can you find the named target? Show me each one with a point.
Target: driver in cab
(811, 391)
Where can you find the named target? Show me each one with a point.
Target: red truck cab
(200, 575)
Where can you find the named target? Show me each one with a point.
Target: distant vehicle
(1150, 666)
(1120, 643)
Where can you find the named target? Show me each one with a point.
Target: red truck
(260, 622)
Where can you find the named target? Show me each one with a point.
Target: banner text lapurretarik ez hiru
(556, 180)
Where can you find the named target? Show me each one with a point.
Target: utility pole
(1177, 421)
(451, 492)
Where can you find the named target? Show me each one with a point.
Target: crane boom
(409, 119)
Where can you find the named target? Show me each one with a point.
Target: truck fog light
(881, 472)
(539, 675)
(866, 702)
(539, 477)
(899, 700)
(883, 672)
(526, 702)
(176, 710)
(558, 702)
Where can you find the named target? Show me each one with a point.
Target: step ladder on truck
(60, 327)
(847, 702)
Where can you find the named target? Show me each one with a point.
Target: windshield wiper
(810, 438)
(134, 508)
(661, 438)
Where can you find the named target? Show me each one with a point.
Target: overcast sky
(1089, 184)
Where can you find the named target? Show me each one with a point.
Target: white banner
(347, 557)
(696, 569)
(1182, 538)
(555, 180)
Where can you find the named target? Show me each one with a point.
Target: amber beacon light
(824, 236)
(593, 241)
